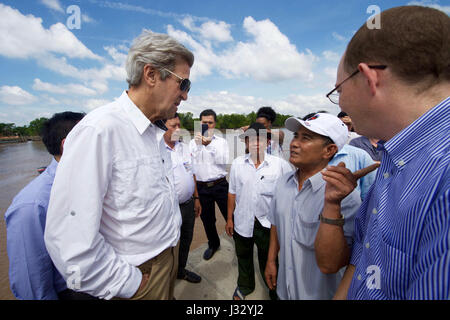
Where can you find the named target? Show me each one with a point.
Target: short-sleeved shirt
(295, 215)
(254, 188)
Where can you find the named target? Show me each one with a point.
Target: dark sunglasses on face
(185, 84)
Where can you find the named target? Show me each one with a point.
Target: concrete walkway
(219, 275)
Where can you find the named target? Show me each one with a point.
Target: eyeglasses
(185, 84)
(333, 95)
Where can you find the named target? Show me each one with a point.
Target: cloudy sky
(58, 55)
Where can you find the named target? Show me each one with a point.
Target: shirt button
(401, 163)
(72, 213)
(367, 245)
(386, 175)
(374, 211)
(359, 277)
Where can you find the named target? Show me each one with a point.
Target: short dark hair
(208, 112)
(55, 129)
(342, 114)
(268, 113)
(414, 42)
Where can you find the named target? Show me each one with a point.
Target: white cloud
(331, 56)
(339, 37)
(14, 95)
(92, 104)
(53, 4)
(25, 37)
(267, 56)
(66, 89)
(87, 19)
(431, 4)
(226, 103)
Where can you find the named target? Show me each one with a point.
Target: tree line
(33, 128)
(229, 121)
(224, 121)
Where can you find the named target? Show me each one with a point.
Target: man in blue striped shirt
(394, 82)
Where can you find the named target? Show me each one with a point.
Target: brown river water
(18, 166)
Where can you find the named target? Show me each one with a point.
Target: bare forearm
(332, 251)
(342, 291)
(274, 246)
(231, 205)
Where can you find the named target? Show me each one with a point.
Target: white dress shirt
(182, 171)
(113, 205)
(254, 189)
(210, 162)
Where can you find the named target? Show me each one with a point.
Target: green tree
(36, 125)
(7, 129)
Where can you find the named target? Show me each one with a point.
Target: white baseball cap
(324, 124)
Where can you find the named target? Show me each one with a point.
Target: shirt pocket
(267, 186)
(395, 274)
(134, 181)
(305, 229)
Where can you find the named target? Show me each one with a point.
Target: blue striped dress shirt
(402, 230)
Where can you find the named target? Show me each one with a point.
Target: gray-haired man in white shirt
(113, 222)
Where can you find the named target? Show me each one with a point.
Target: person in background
(210, 157)
(348, 122)
(370, 145)
(252, 182)
(113, 223)
(267, 116)
(401, 247)
(186, 188)
(32, 275)
(298, 200)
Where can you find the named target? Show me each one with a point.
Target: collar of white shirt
(266, 161)
(140, 121)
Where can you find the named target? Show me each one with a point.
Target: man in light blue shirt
(356, 159)
(297, 203)
(32, 275)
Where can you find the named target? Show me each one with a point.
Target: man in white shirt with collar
(252, 182)
(210, 157)
(113, 221)
(186, 188)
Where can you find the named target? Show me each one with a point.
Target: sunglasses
(185, 84)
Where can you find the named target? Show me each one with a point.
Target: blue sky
(248, 53)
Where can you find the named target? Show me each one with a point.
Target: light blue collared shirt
(356, 159)
(296, 217)
(32, 275)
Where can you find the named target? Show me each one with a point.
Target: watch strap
(335, 222)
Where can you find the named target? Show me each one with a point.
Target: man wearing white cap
(297, 203)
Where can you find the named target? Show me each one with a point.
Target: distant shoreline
(18, 139)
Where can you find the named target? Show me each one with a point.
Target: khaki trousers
(162, 271)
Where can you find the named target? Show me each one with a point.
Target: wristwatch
(335, 222)
(195, 198)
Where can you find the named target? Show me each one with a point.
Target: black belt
(187, 202)
(210, 184)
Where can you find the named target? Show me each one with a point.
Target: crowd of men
(113, 215)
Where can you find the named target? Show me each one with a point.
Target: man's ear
(61, 147)
(330, 151)
(149, 74)
(370, 75)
